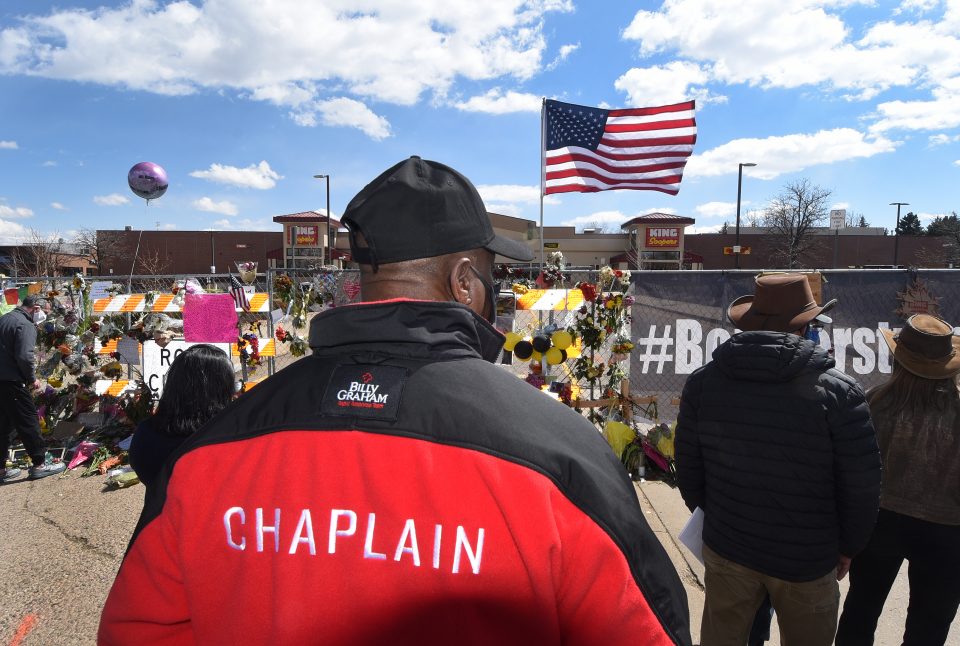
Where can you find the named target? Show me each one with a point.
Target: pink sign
(210, 318)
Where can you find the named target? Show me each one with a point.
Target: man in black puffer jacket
(777, 447)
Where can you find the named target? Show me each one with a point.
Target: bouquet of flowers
(247, 271)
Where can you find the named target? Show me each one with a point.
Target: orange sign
(744, 251)
(663, 237)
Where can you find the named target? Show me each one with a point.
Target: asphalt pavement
(62, 540)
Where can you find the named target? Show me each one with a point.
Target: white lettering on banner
(236, 530)
(647, 348)
(869, 352)
(689, 353)
(863, 339)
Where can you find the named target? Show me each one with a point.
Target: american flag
(239, 296)
(591, 149)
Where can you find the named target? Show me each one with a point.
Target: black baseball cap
(422, 209)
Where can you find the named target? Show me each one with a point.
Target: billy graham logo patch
(364, 391)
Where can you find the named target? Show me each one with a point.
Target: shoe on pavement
(11, 474)
(45, 470)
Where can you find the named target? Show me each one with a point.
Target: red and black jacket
(397, 488)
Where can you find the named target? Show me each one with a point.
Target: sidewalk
(666, 515)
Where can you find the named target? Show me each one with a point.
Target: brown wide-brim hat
(926, 346)
(780, 303)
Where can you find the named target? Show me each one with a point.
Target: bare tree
(596, 227)
(38, 255)
(792, 217)
(855, 219)
(93, 248)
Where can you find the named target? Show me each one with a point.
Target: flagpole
(543, 161)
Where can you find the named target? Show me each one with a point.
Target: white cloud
(245, 224)
(920, 6)
(496, 101)
(562, 55)
(941, 139)
(168, 226)
(942, 112)
(712, 228)
(13, 232)
(505, 209)
(58, 206)
(114, 199)
(782, 43)
(718, 209)
(15, 212)
(8, 145)
(615, 218)
(514, 193)
(343, 112)
(776, 156)
(840, 205)
(930, 217)
(957, 163)
(259, 176)
(224, 207)
(49, 164)
(381, 50)
(671, 83)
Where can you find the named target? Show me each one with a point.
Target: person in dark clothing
(18, 340)
(199, 384)
(777, 447)
(917, 414)
(395, 486)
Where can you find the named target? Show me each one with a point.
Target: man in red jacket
(395, 487)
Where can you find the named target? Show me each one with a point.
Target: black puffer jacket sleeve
(856, 465)
(690, 472)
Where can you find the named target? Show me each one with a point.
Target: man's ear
(461, 280)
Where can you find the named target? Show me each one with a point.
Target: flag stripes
(590, 149)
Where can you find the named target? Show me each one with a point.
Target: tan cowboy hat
(926, 346)
(781, 303)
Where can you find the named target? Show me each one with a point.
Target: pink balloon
(148, 180)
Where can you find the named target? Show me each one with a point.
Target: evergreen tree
(862, 223)
(910, 225)
(945, 225)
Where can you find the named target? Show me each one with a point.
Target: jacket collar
(407, 328)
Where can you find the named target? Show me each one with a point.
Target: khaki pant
(806, 612)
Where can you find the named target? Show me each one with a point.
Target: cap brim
(509, 249)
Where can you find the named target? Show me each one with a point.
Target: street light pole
(896, 231)
(328, 250)
(736, 244)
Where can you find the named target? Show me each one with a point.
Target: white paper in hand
(692, 534)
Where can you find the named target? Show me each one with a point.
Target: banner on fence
(679, 318)
(157, 360)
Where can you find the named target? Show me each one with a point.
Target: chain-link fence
(311, 291)
(679, 317)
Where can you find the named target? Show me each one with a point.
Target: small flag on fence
(592, 149)
(239, 296)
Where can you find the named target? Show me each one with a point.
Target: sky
(242, 102)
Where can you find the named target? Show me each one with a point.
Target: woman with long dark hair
(917, 417)
(199, 384)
